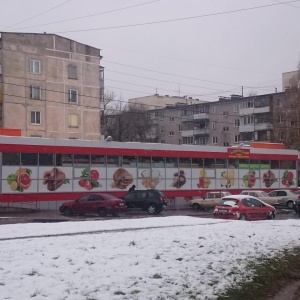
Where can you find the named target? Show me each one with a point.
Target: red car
(244, 207)
(101, 204)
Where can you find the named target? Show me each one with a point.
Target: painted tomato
(94, 174)
(82, 182)
(290, 175)
(88, 185)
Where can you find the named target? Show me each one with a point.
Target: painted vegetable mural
(89, 179)
(287, 178)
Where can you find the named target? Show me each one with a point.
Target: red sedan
(101, 204)
(244, 207)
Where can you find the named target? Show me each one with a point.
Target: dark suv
(152, 201)
(297, 207)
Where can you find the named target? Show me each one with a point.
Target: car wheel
(102, 212)
(151, 209)
(271, 216)
(290, 204)
(243, 217)
(196, 206)
(67, 211)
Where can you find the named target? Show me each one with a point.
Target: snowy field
(151, 258)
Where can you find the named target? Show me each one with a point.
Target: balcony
(263, 126)
(246, 128)
(202, 116)
(196, 131)
(254, 110)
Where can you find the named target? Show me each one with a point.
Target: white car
(263, 196)
(210, 200)
(288, 197)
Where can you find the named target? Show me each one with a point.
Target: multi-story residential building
(290, 79)
(225, 122)
(50, 86)
(158, 101)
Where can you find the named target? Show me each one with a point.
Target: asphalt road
(46, 216)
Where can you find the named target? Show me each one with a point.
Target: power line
(39, 14)
(121, 101)
(92, 15)
(180, 19)
(175, 75)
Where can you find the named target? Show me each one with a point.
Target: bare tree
(128, 123)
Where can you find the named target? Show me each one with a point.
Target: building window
(171, 133)
(236, 107)
(35, 66)
(73, 96)
(279, 103)
(179, 128)
(237, 138)
(213, 109)
(179, 142)
(35, 117)
(247, 120)
(73, 121)
(280, 119)
(102, 95)
(213, 125)
(225, 113)
(171, 119)
(236, 122)
(72, 72)
(226, 144)
(162, 129)
(202, 140)
(225, 128)
(35, 92)
(215, 140)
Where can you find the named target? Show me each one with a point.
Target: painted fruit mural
(204, 182)
(89, 179)
(20, 180)
(227, 178)
(249, 179)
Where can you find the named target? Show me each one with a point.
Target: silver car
(288, 197)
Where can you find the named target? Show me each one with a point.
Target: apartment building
(290, 79)
(225, 122)
(161, 101)
(50, 86)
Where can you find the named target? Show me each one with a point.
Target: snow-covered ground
(161, 258)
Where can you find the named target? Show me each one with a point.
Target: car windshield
(228, 202)
(263, 194)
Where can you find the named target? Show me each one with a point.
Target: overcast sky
(199, 48)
